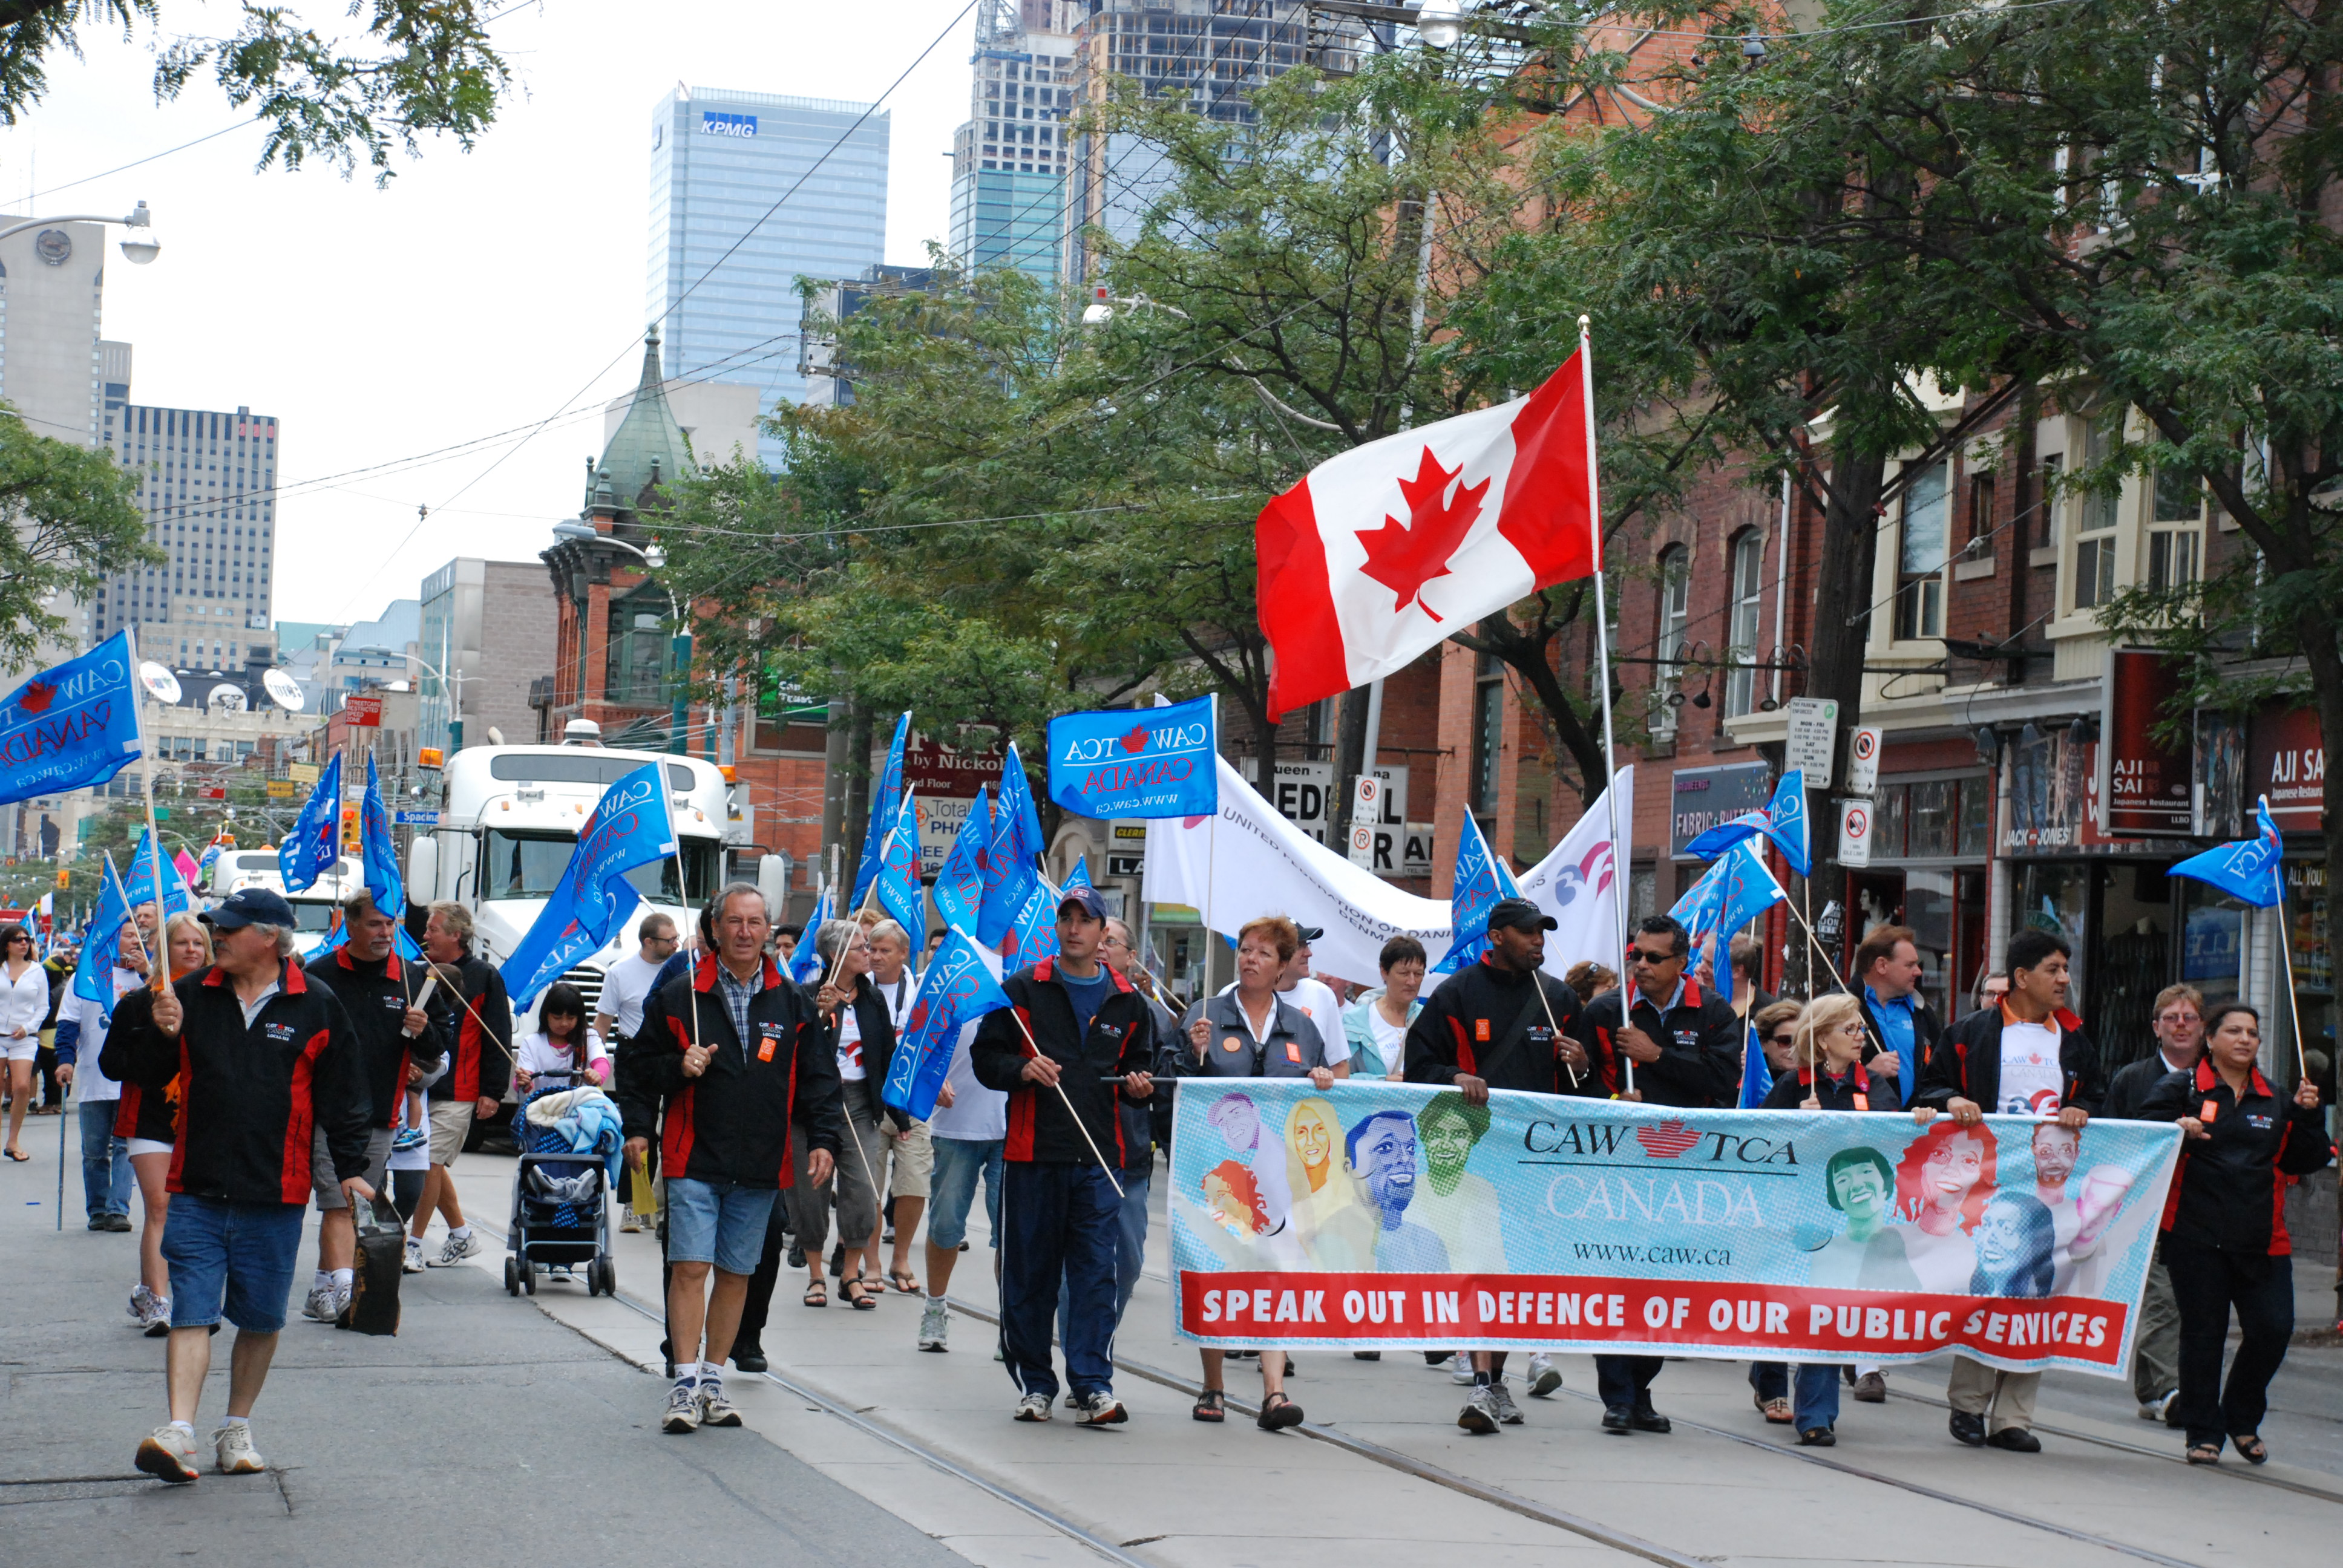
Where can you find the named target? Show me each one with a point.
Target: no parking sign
(1854, 833)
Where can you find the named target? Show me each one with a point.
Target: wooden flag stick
(1068, 1099)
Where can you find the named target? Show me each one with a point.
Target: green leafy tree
(70, 524)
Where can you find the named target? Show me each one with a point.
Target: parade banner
(1398, 1216)
(72, 726)
(1126, 762)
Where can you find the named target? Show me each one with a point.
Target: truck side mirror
(423, 867)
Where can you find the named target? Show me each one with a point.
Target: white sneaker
(1460, 1368)
(319, 1306)
(715, 1409)
(935, 1324)
(338, 1304)
(1500, 1400)
(1100, 1409)
(169, 1454)
(1033, 1407)
(141, 1301)
(1545, 1376)
(158, 1317)
(1479, 1415)
(457, 1249)
(233, 1445)
(629, 1225)
(682, 1409)
(413, 1262)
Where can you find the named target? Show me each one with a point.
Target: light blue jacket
(1366, 1061)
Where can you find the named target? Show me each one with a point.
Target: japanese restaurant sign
(2146, 782)
(2287, 762)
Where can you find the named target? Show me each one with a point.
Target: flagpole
(158, 969)
(1070, 1111)
(870, 892)
(2286, 946)
(1622, 852)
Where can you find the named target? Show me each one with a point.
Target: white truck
(313, 906)
(508, 821)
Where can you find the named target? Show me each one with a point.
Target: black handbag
(374, 1283)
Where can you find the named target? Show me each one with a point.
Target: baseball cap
(249, 907)
(1088, 898)
(1521, 915)
(1310, 933)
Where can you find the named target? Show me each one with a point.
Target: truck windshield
(529, 866)
(312, 917)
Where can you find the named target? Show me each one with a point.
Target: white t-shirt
(976, 1114)
(1315, 999)
(849, 1046)
(625, 986)
(2031, 1083)
(1390, 1043)
(88, 1082)
(898, 997)
(538, 1055)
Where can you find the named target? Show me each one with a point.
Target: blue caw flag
(959, 885)
(628, 827)
(1750, 890)
(897, 887)
(1757, 1072)
(94, 972)
(885, 801)
(314, 841)
(1146, 763)
(375, 852)
(805, 963)
(957, 989)
(2245, 869)
(1080, 877)
(71, 725)
(140, 889)
(1783, 820)
(1034, 936)
(1480, 880)
(1009, 877)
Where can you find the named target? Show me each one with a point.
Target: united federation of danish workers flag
(1379, 553)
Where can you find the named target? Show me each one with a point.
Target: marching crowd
(242, 1085)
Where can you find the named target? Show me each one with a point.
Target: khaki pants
(2006, 1399)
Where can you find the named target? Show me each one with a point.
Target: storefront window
(1887, 832)
(1930, 819)
(2308, 944)
(2056, 898)
(1977, 817)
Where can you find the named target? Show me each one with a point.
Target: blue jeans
(104, 1160)
(1815, 1401)
(1059, 1222)
(237, 1256)
(951, 1188)
(716, 1222)
(1129, 1253)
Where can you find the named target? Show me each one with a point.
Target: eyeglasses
(1646, 956)
(1784, 1038)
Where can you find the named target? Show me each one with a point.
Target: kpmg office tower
(719, 160)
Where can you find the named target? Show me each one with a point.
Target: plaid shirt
(738, 994)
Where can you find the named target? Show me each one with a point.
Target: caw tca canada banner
(1137, 762)
(1399, 1216)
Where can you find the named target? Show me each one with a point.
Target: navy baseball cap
(1520, 914)
(250, 907)
(1087, 899)
(1309, 933)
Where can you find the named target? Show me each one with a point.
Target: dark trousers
(1626, 1382)
(1770, 1380)
(758, 1307)
(2209, 1283)
(1059, 1224)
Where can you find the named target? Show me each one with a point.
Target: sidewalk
(482, 1430)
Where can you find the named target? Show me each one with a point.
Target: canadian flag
(1382, 552)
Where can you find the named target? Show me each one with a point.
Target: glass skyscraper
(719, 160)
(1008, 161)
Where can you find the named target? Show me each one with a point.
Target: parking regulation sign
(1854, 833)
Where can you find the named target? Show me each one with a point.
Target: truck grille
(589, 981)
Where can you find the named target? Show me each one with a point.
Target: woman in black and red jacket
(2225, 1241)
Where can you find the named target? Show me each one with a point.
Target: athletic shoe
(715, 1409)
(1100, 1409)
(629, 1225)
(1479, 1415)
(1033, 1407)
(457, 1249)
(1545, 1376)
(169, 1454)
(141, 1301)
(232, 1446)
(159, 1318)
(935, 1324)
(1871, 1388)
(408, 1138)
(1506, 1410)
(413, 1262)
(1460, 1368)
(1967, 1430)
(319, 1306)
(682, 1409)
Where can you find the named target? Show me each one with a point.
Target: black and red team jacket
(1699, 1040)
(1122, 1040)
(1465, 1022)
(152, 1114)
(483, 1035)
(2227, 1194)
(1967, 1063)
(251, 1096)
(732, 1123)
(376, 995)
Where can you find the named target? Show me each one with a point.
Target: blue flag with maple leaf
(71, 725)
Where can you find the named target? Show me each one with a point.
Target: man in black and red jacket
(1501, 1023)
(261, 1055)
(399, 1045)
(474, 1084)
(1676, 1044)
(728, 1056)
(1072, 1028)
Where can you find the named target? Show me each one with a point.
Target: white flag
(1580, 884)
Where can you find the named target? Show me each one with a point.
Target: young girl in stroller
(560, 1217)
(564, 1053)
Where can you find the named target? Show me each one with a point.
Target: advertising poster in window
(2147, 784)
(2288, 763)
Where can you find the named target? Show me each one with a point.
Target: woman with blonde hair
(147, 1116)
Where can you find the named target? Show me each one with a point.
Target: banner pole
(1621, 852)
(1068, 1099)
(157, 966)
(2286, 947)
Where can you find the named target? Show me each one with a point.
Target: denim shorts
(240, 1255)
(959, 1161)
(716, 1223)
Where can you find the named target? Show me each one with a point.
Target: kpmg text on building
(715, 124)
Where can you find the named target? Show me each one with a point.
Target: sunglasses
(1646, 956)
(1784, 1038)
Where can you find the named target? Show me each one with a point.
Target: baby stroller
(560, 1216)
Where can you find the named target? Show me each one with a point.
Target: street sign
(1863, 759)
(363, 711)
(1814, 728)
(417, 818)
(302, 772)
(282, 789)
(1366, 813)
(1854, 833)
(1126, 865)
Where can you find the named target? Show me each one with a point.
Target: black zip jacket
(143, 1111)
(251, 1096)
(1291, 1049)
(2227, 1194)
(1466, 1021)
(376, 996)
(1121, 1039)
(732, 1123)
(1699, 1039)
(1967, 1064)
(483, 1036)
(2132, 1083)
(1790, 1090)
(877, 1050)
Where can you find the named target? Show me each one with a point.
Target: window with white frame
(2095, 515)
(1920, 561)
(1675, 618)
(1748, 599)
(2174, 532)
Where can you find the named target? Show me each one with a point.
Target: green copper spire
(650, 446)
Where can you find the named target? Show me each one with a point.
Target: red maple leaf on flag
(36, 697)
(1404, 556)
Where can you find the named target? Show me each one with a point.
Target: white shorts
(147, 1146)
(19, 1049)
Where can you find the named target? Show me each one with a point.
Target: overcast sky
(478, 292)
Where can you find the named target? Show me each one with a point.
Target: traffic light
(65, 879)
(349, 830)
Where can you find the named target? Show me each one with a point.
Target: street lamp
(679, 648)
(140, 244)
(1440, 22)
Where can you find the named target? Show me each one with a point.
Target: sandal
(2205, 1454)
(817, 1294)
(863, 1301)
(902, 1280)
(1277, 1413)
(1777, 1410)
(1211, 1406)
(2251, 1449)
(18, 1155)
